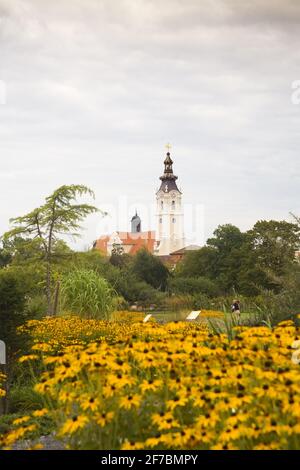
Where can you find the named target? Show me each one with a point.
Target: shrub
(193, 285)
(133, 289)
(150, 269)
(13, 292)
(36, 306)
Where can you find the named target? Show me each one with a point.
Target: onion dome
(168, 179)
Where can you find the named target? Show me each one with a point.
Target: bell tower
(136, 224)
(170, 229)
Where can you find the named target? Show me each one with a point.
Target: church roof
(168, 185)
(136, 216)
(168, 179)
(185, 249)
(133, 241)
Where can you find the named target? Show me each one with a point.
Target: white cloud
(95, 88)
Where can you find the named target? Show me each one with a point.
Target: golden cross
(168, 147)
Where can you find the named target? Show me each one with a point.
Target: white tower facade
(170, 217)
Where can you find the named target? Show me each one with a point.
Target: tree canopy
(247, 262)
(60, 215)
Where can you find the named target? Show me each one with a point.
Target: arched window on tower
(161, 204)
(173, 205)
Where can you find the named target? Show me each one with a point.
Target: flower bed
(110, 385)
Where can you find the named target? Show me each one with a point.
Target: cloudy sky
(92, 90)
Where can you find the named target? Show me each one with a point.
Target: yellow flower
(120, 380)
(242, 394)
(90, 403)
(150, 385)
(17, 434)
(40, 413)
(43, 347)
(36, 447)
(29, 357)
(152, 442)
(262, 446)
(179, 400)
(73, 425)
(66, 396)
(130, 445)
(130, 401)
(104, 418)
(22, 420)
(165, 421)
(228, 446)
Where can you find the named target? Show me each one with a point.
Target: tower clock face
(173, 194)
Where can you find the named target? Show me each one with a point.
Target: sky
(92, 90)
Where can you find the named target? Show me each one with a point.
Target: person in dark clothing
(236, 307)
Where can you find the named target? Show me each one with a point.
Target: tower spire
(170, 230)
(168, 179)
(136, 223)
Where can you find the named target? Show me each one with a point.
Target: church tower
(136, 224)
(170, 229)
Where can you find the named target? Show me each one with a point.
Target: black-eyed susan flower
(73, 424)
(130, 401)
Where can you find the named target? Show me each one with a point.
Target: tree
(275, 244)
(193, 285)
(23, 250)
(197, 263)
(228, 241)
(118, 257)
(60, 215)
(132, 289)
(150, 269)
(297, 219)
(5, 257)
(13, 292)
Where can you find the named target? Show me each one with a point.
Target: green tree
(23, 250)
(197, 263)
(150, 269)
(274, 244)
(5, 257)
(228, 241)
(60, 215)
(193, 285)
(13, 291)
(118, 257)
(297, 219)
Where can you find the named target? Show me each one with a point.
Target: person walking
(236, 307)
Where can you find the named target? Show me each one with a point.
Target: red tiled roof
(136, 241)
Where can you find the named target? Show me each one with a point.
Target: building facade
(169, 235)
(169, 210)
